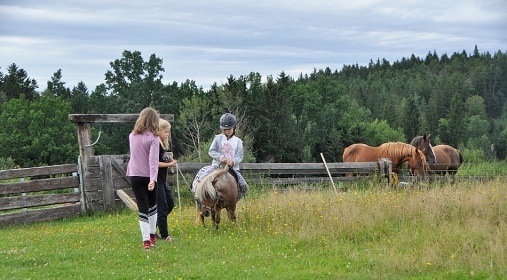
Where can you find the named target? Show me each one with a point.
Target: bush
(474, 155)
(6, 163)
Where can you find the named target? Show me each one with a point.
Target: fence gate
(102, 175)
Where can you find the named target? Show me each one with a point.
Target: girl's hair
(147, 120)
(163, 125)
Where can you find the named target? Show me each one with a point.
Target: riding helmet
(227, 121)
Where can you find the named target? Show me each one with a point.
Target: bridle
(419, 163)
(215, 201)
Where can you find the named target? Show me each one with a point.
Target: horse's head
(417, 163)
(207, 205)
(206, 195)
(423, 143)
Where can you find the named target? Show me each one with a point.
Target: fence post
(80, 171)
(106, 177)
(23, 194)
(328, 173)
(385, 168)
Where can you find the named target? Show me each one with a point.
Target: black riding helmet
(227, 121)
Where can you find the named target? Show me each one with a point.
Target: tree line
(461, 100)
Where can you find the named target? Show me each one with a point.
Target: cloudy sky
(207, 41)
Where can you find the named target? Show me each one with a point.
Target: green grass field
(439, 231)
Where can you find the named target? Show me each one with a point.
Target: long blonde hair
(148, 120)
(162, 125)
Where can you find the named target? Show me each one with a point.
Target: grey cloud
(207, 41)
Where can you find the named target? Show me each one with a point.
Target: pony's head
(423, 143)
(206, 196)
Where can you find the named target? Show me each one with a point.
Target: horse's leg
(216, 218)
(231, 213)
(452, 174)
(200, 217)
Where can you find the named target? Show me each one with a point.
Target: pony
(396, 152)
(423, 144)
(447, 160)
(217, 191)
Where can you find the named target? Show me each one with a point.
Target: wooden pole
(328, 173)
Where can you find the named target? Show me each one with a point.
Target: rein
(215, 201)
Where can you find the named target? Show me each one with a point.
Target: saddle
(234, 174)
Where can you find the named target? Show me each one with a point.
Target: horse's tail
(347, 154)
(460, 156)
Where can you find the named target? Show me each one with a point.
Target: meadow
(430, 231)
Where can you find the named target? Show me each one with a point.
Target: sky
(207, 41)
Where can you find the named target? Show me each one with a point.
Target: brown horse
(423, 144)
(396, 152)
(447, 160)
(217, 191)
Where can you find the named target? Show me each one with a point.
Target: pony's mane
(397, 149)
(205, 186)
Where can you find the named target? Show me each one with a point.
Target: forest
(460, 99)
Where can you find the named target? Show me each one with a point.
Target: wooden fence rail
(296, 173)
(39, 194)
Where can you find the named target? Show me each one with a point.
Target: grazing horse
(447, 160)
(217, 191)
(396, 152)
(423, 144)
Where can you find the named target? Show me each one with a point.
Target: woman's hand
(151, 185)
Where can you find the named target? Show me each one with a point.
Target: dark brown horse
(396, 152)
(423, 144)
(447, 160)
(217, 191)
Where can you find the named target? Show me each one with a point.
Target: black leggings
(165, 205)
(145, 199)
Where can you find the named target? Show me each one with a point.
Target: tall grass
(483, 169)
(437, 232)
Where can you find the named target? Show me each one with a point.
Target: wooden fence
(106, 175)
(53, 192)
(39, 194)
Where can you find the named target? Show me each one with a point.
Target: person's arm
(214, 150)
(238, 157)
(153, 157)
(172, 163)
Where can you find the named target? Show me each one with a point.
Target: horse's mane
(416, 140)
(396, 149)
(205, 186)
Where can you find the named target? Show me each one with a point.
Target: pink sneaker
(146, 245)
(169, 238)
